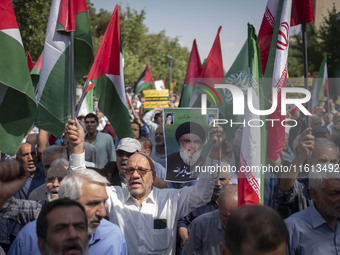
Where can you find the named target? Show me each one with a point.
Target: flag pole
(329, 110)
(305, 64)
(72, 86)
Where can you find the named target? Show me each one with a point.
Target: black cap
(192, 128)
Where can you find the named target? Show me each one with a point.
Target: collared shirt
(107, 240)
(205, 236)
(310, 234)
(158, 157)
(105, 148)
(150, 228)
(188, 219)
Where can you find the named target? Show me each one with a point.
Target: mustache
(73, 244)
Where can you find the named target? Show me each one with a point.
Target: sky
(199, 19)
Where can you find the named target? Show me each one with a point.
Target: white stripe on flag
(15, 33)
(55, 45)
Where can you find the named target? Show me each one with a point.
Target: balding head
(227, 202)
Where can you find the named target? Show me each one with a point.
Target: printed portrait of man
(181, 164)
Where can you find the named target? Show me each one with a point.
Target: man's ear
(41, 243)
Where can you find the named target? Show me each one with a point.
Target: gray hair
(321, 142)
(72, 184)
(59, 162)
(321, 172)
(55, 149)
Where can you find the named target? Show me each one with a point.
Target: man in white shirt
(146, 215)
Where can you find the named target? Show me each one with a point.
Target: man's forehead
(26, 147)
(138, 160)
(58, 172)
(93, 119)
(190, 136)
(332, 184)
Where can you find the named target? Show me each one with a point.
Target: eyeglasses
(141, 171)
(159, 133)
(188, 141)
(53, 178)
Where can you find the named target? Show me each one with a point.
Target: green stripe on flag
(17, 101)
(111, 105)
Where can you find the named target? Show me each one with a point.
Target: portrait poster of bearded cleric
(186, 142)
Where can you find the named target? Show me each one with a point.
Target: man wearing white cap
(114, 171)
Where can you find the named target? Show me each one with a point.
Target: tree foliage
(325, 40)
(141, 48)
(32, 17)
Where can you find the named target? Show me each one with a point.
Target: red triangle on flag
(194, 66)
(107, 60)
(67, 13)
(7, 20)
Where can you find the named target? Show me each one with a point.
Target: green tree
(32, 17)
(295, 57)
(330, 41)
(141, 48)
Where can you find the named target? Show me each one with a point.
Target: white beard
(190, 160)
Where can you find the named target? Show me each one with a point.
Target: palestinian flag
(253, 145)
(85, 104)
(29, 62)
(17, 101)
(35, 72)
(144, 82)
(54, 95)
(194, 70)
(321, 84)
(108, 78)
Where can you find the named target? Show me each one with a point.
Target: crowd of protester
(90, 192)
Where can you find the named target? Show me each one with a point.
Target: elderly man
(291, 193)
(61, 228)
(146, 215)
(87, 188)
(103, 142)
(207, 230)
(115, 171)
(316, 230)
(49, 155)
(256, 230)
(190, 137)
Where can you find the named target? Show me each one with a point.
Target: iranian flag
(17, 101)
(54, 93)
(145, 81)
(253, 145)
(35, 72)
(194, 70)
(321, 84)
(301, 12)
(108, 78)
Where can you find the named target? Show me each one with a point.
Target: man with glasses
(190, 137)
(146, 215)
